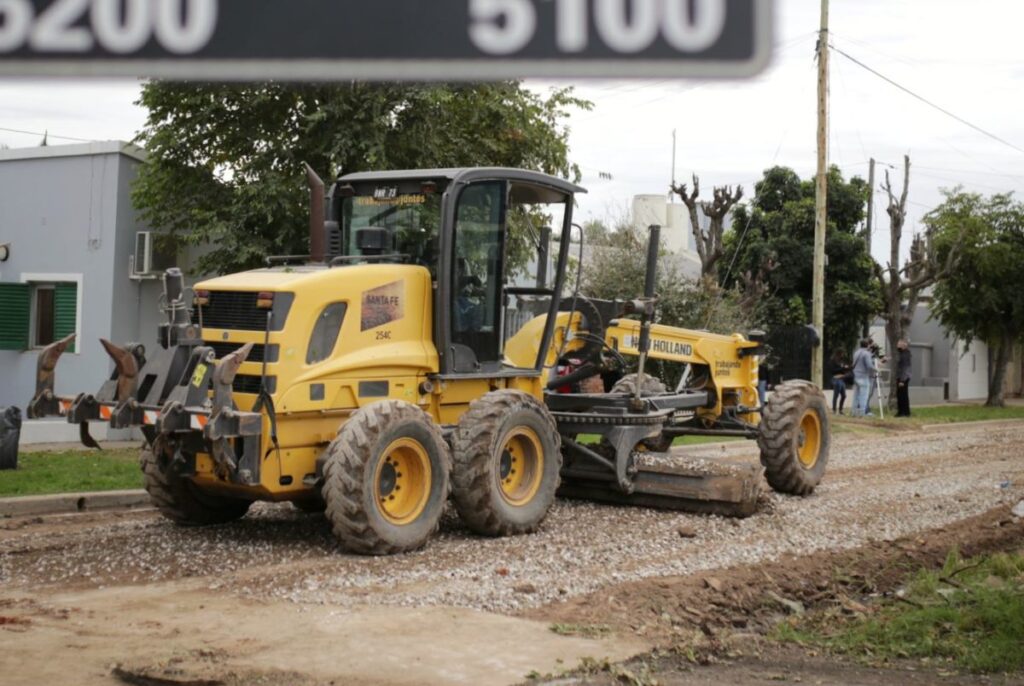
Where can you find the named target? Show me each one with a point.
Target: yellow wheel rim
(520, 466)
(808, 441)
(402, 481)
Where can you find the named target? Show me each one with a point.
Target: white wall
(971, 372)
(673, 218)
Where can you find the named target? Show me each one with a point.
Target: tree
(981, 299)
(772, 239)
(225, 161)
(616, 271)
(709, 241)
(902, 287)
(595, 232)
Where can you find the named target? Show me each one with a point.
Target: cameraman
(863, 375)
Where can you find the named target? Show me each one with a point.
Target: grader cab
(424, 350)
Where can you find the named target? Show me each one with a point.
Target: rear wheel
(795, 438)
(507, 464)
(386, 479)
(177, 497)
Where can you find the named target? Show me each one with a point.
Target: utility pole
(821, 215)
(673, 164)
(870, 228)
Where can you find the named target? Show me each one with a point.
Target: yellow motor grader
(423, 351)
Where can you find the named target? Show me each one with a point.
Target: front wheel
(795, 438)
(177, 498)
(507, 464)
(386, 479)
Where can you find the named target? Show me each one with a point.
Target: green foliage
(780, 244)
(966, 413)
(969, 613)
(583, 630)
(596, 232)
(617, 270)
(225, 160)
(72, 471)
(981, 297)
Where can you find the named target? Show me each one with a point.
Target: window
(479, 233)
(410, 217)
(35, 314)
(325, 333)
(43, 316)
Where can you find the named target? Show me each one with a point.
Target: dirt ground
(127, 598)
(712, 626)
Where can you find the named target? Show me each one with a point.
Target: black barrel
(10, 434)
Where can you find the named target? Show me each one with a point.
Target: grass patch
(966, 413)
(583, 630)
(936, 414)
(969, 614)
(72, 470)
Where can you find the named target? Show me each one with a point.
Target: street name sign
(334, 40)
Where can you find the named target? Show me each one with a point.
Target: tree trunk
(894, 329)
(997, 372)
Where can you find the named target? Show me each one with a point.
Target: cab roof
(465, 175)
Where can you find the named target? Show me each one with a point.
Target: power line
(927, 102)
(46, 133)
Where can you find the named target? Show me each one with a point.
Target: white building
(676, 232)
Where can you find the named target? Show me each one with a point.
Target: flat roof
(465, 174)
(74, 150)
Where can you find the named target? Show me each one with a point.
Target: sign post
(328, 40)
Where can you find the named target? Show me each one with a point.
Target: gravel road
(876, 488)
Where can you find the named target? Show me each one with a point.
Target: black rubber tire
(180, 500)
(781, 435)
(652, 386)
(350, 488)
(478, 445)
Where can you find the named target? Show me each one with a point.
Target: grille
(234, 311)
(258, 353)
(334, 245)
(248, 383)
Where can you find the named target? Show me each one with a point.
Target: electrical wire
(926, 101)
(47, 134)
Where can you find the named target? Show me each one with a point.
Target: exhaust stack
(317, 229)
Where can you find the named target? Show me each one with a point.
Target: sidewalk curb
(64, 503)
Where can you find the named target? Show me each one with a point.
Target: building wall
(969, 369)
(925, 331)
(674, 218)
(66, 212)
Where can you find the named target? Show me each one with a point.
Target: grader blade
(127, 368)
(677, 482)
(45, 403)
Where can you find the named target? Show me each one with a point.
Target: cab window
(325, 333)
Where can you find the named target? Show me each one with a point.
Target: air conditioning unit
(149, 261)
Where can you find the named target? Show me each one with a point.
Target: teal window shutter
(14, 316)
(65, 311)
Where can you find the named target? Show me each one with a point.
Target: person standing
(903, 378)
(863, 371)
(839, 370)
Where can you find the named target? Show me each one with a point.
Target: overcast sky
(964, 57)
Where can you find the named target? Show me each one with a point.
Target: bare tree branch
(709, 242)
(903, 287)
